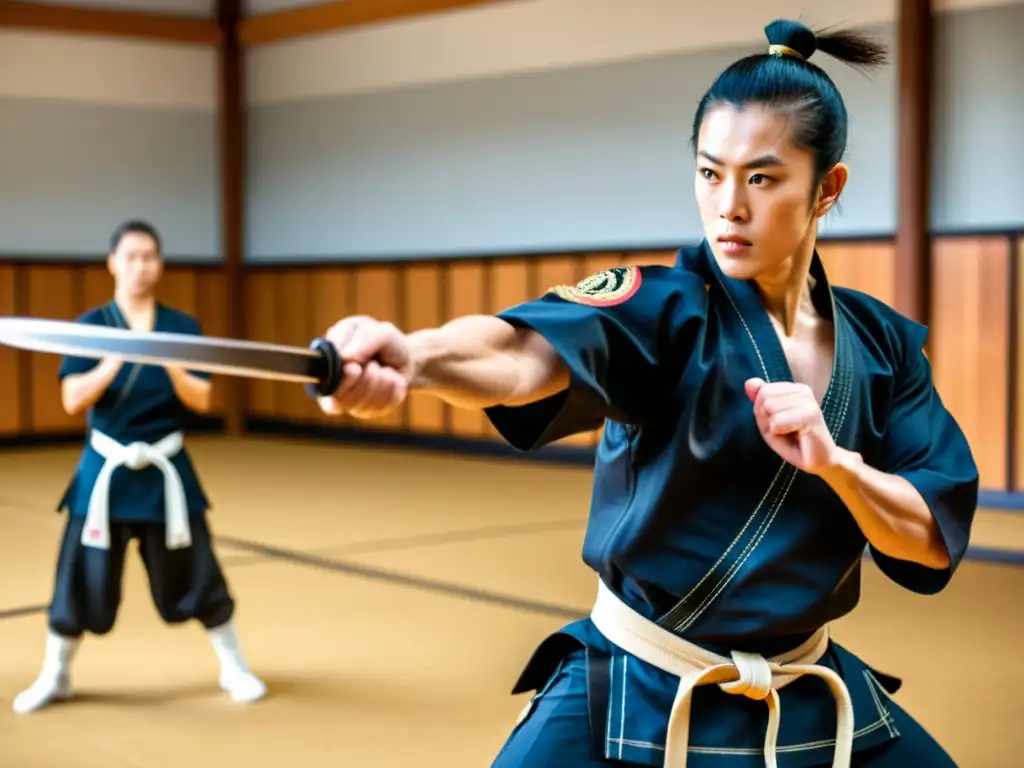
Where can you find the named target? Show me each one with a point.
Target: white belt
(747, 674)
(137, 456)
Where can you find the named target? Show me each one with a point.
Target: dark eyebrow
(765, 161)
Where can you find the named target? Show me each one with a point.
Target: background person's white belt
(136, 456)
(746, 674)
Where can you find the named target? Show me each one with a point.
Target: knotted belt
(745, 674)
(136, 456)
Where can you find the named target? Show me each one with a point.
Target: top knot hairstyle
(783, 79)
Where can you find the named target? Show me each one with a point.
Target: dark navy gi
(140, 405)
(699, 526)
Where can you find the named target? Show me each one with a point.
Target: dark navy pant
(186, 584)
(556, 734)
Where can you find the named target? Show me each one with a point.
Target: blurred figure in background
(135, 480)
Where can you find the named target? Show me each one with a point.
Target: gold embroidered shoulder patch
(606, 288)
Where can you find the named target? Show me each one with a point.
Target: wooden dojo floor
(389, 598)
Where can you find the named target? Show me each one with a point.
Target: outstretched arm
(611, 347)
(481, 362)
(476, 361)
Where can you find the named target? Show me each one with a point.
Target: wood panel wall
(969, 348)
(292, 305)
(970, 345)
(1018, 342)
(29, 389)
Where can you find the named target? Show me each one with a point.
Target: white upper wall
(94, 130)
(107, 71)
(200, 8)
(507, 38)
(254, 7)
(528, 35)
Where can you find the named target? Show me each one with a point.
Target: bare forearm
(889, 510)
(481, 361)
(194, 392)
(81, 391)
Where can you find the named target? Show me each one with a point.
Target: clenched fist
(791, 423)
(377, 368)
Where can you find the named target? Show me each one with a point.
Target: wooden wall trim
(108, 23)
(299, 261)
(99, 260)
(255, 30)
(341, 14)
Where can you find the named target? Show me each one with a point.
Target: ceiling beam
(342, 14)
(15, 14)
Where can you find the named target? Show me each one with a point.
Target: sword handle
(328, 369)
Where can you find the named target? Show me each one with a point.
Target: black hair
(137, 227)
(790, 83)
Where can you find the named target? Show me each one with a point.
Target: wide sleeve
(71, 366)
(925, 445)
(625, 335)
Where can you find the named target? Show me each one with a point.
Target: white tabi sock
(235, 676)
(54, 680)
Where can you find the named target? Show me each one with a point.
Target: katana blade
(317, 366)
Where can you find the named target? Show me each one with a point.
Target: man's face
(136, 265)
